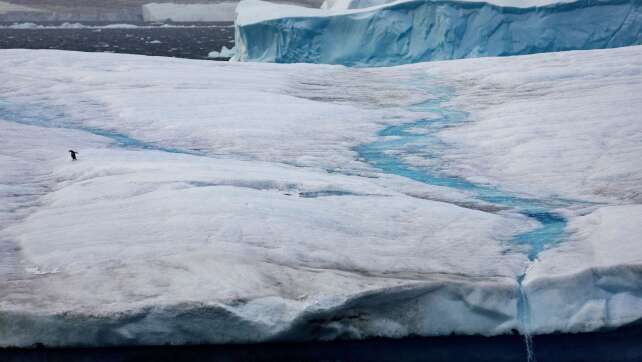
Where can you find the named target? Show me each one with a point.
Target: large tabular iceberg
(418, 30)
(199, 213)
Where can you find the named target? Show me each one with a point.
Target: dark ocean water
(624, 344)
(193, 41)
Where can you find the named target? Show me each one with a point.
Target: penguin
(73, 155)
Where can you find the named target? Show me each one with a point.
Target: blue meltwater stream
(52, 117)
(420, 139)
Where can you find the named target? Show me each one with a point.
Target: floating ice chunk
(120, 26)
(225, 52)
(24, 26)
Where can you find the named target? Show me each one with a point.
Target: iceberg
(225, 52)
(246, 213)
(417, 30)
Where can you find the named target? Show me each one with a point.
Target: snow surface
(223, 11)
(575, 132)
(414, 31)
(244, 214)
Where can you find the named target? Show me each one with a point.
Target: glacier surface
(245, 213)
(413, 31)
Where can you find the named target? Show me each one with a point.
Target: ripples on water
(620, 345)
(193, 41)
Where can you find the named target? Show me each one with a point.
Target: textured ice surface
(244, 213)
(568, 131)
(213, 245)
(414, 31)
(608, 275)
(565, 131)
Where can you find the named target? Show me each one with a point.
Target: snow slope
(244, 214)
(414, 31)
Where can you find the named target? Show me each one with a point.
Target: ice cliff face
(415, 31)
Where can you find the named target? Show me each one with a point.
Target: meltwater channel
(420, 138)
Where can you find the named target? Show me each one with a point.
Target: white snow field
(227, 202)
(411, 31)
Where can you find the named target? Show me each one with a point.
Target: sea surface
(617, 345)
(194, 41)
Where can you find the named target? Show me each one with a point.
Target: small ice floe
(37, 271)
(225, 52)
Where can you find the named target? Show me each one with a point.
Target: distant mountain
(94, 10)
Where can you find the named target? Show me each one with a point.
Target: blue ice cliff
(419, 30)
